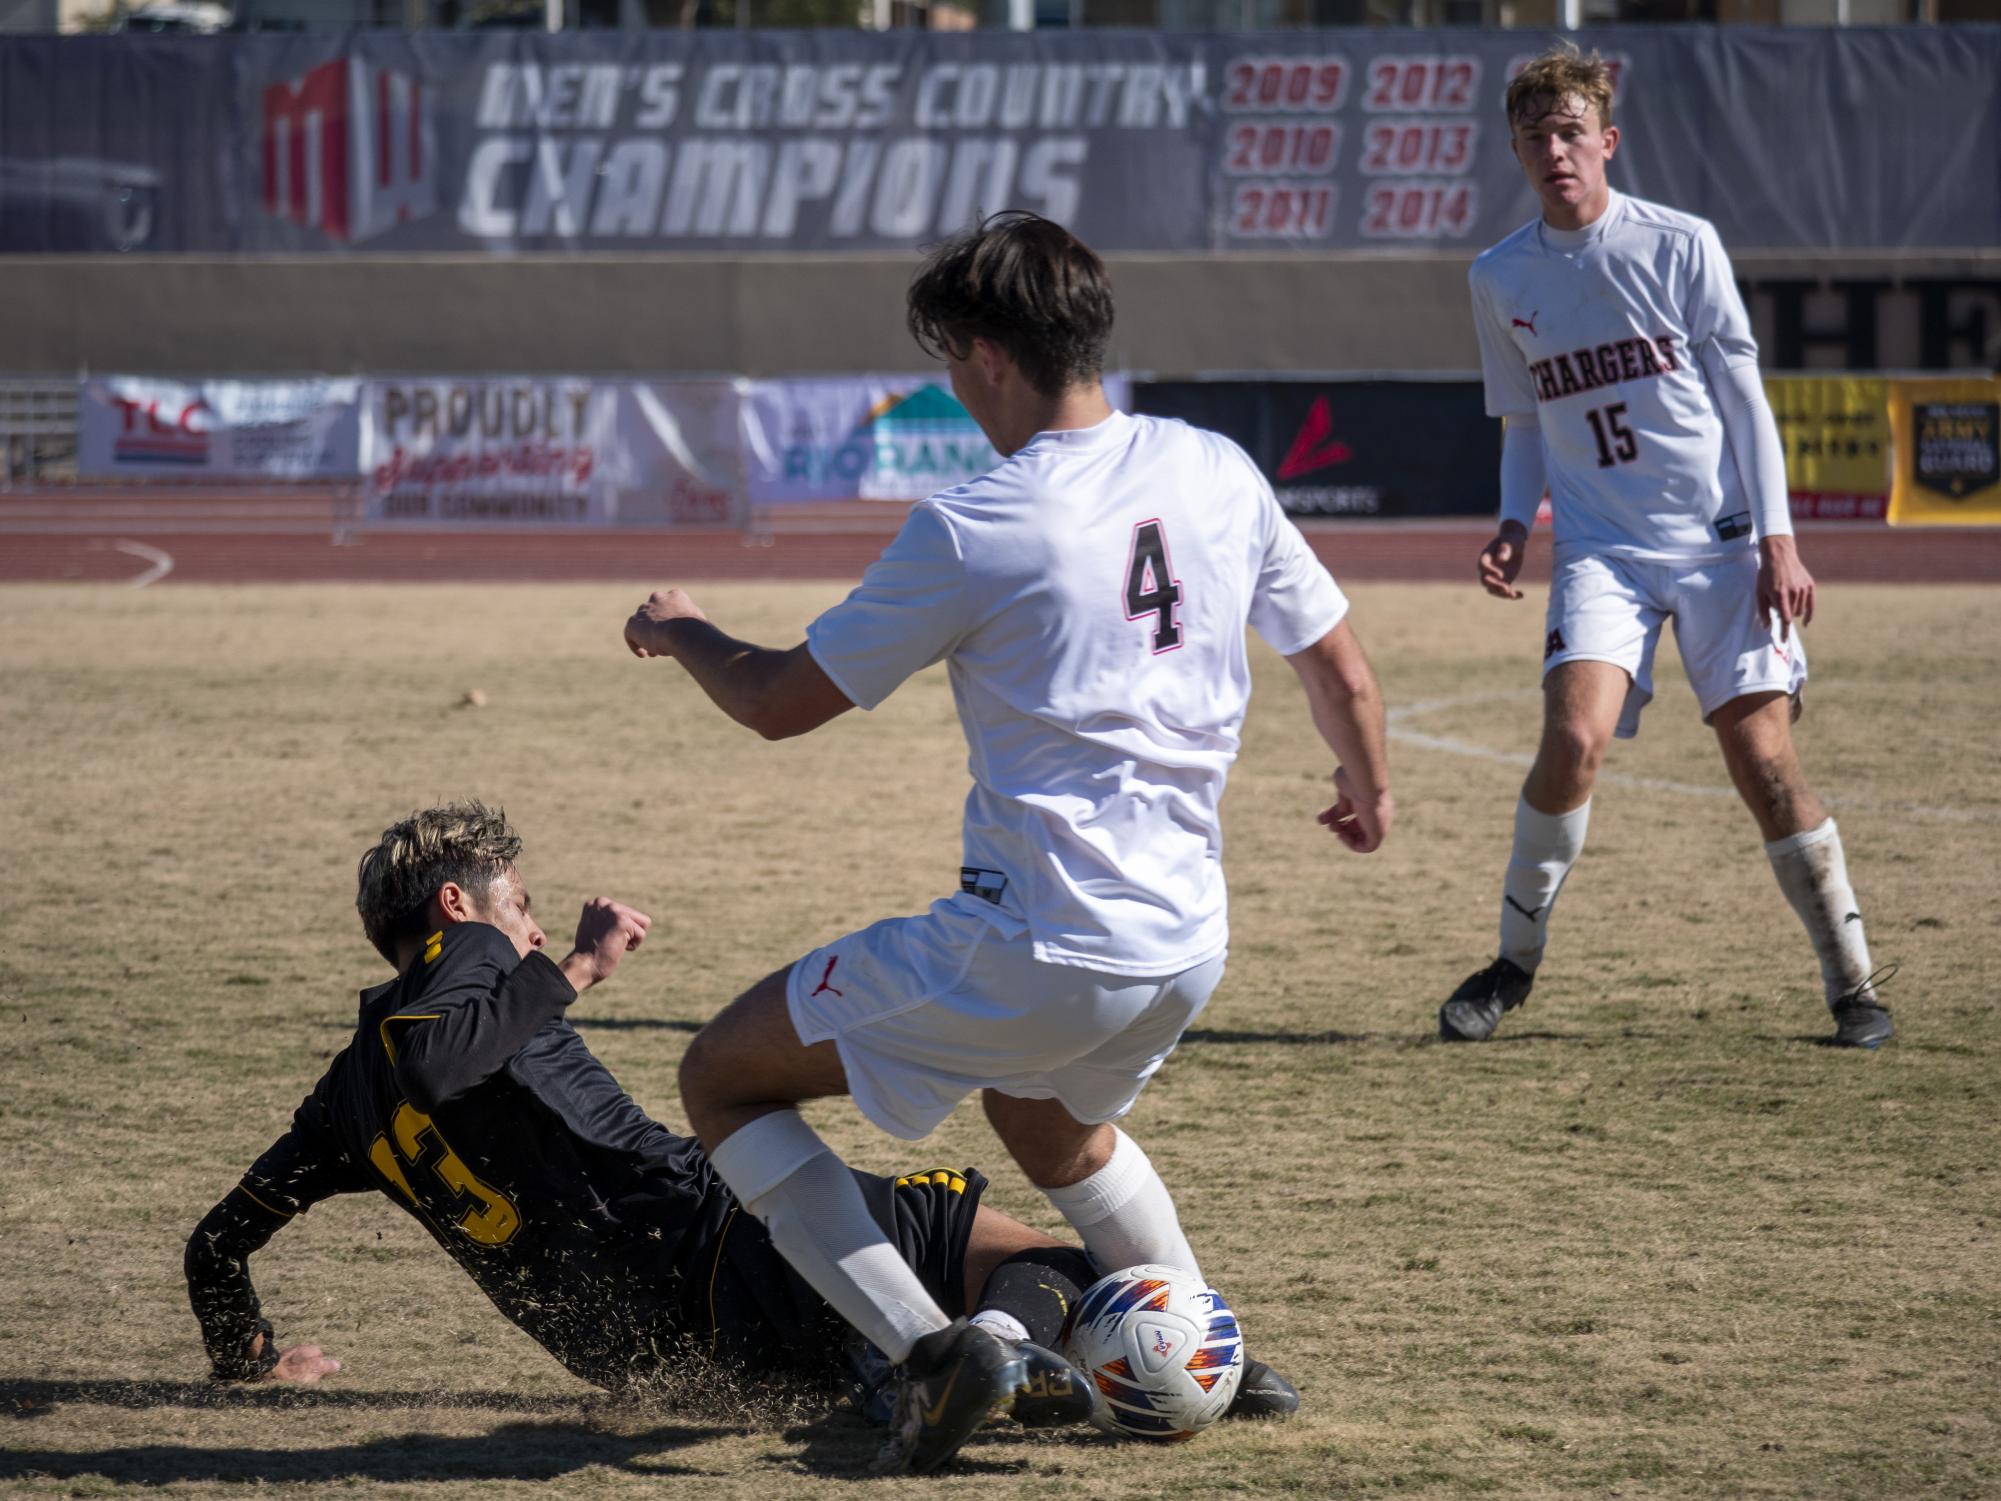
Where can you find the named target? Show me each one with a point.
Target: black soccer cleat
(1263, 1393)
(1053, 1393)
(953, 1382)
(1474, 1010)
(1861, 1020)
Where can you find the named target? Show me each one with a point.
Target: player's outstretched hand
(302, 1365)
(1361, 823)
(606, 932)
(1501, 562)
(642, 631)
(1785, 588)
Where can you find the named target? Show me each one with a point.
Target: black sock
(1040, 1287)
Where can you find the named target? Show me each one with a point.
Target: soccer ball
(1161, 1348)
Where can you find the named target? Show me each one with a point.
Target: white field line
(1403, 735)
(162, 563)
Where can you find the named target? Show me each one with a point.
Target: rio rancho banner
(1948, 452)
(1836, 431)
(137, 427)
(827, 140)
(865, 437)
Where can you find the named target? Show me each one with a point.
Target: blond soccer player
(1614, 343)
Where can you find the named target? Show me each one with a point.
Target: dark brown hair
(1026, 283)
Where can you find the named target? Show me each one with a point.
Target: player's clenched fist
(606, 933)
(643, 632)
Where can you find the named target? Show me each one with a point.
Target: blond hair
(1559, 74)
(467, 844)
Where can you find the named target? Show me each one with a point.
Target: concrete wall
(803, 314)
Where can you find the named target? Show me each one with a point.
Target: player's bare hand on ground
(1361, 823)
(1501, 562)
(302, 1365)
(642, 631)
(1785, 588)
(606, 933)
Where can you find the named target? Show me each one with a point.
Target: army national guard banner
(1373, 139)
(1947, 435)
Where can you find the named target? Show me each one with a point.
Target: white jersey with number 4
(1089, 597)
(1602, 333)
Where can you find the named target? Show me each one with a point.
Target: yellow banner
(1836, 431)
(1948, 452)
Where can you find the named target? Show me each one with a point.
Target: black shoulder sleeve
(299, 1169)
(466, 1019)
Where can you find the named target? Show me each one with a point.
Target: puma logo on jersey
(1529, 322)
(823, 985)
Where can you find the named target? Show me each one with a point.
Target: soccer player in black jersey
(468, 1099)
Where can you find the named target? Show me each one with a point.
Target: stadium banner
(132, 427)
(552, 451)
(1947, 438)
(1352, 448)
(528, 451)
(864, 437)
(1836, 432)
(720, 140)
(676, 457)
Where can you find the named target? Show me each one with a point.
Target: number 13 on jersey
(1152, 591)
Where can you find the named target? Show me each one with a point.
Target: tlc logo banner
(132, 426)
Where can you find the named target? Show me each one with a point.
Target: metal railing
(37, 429)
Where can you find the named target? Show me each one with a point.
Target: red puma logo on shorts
(828, 976)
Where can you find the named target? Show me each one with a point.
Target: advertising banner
(826, 140)
(1947, 435)
(1352, 448)
(135, 427)
(553, 451)
(488, 452)
(1836, 431)
(864, 437)
(677, 455)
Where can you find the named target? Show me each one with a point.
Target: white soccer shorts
(926, 1010)
(1606, 609)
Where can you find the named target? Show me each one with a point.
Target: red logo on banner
(147, 435)
(348, 150)
(1315, 447)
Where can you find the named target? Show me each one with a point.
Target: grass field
(1651, 1242)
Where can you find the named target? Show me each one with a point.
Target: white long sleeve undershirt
(1754, 440)
(1524, 473)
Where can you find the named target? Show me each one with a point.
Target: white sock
(999, 1321)
(1814, 876)
(1546, 846)
(809, 1201)
(1125, 1214)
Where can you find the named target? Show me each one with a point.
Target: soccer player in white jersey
(1089, 597)
(1616, 347)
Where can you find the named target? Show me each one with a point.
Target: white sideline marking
(163, 563)
(1419, 738)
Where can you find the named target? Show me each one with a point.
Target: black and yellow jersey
(468, 1098)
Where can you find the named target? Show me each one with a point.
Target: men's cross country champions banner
(831, 140)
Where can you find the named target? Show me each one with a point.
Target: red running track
(62, 535)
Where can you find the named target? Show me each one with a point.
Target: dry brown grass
(1651, 1242)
